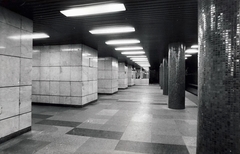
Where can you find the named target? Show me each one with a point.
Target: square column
(107, 75)
(15, 74)
(130, 76)
(64, 74)
(122, 76)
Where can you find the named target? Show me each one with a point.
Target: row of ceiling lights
(190, 51)
(135, 52)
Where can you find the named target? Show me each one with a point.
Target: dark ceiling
(157, 23)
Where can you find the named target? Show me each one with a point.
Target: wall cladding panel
(15, 76)
(65, 74)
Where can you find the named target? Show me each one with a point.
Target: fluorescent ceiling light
(191, 51)
(39, 36)
(141, 56)
(142, 63)
(94, 9)
(188, 55)
(86, 54)
(2, 47)
(71, 49)
(113, 30)
(128, 48)
(122, 41)
(194, 46)
(140, 60)
(133, 53)
(29, 36)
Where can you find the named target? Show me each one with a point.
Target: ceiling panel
(157, 23)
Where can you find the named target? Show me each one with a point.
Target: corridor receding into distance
(134, 120)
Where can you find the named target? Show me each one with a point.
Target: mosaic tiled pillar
(176, 76)
(161, 76)
(219, 77)
(165, 77)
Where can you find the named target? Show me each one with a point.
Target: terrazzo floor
(134, 120)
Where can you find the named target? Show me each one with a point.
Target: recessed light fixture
(142, 63)
(71, 49)
(194, 46)
(128, 48)
(29, 36)
(186, 58)
(139, 59)
(141, 56)
(145, 65)
(93, 9)
(188, 55)
(113, 30)
(86, 54)
(122, 41)
(39, 36)
(191, 51)
(133, 53)
(36, 50)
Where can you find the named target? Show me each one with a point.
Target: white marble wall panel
(15, 76)
(122, 76)
(130, 76)
(141, 82)
(70, 70)
(107, 75)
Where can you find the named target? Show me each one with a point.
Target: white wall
(15, 73)
(107, 75)
(64, 74)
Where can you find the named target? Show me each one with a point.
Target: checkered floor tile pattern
(134, 120)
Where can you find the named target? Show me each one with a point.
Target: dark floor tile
(129, 100)
(59, 123)
(41, 116)
(158, 103)
(96, 133)
(162, 116)
(26, 147)
(154, 148)
(191, 107)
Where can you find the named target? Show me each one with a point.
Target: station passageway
(134, 120)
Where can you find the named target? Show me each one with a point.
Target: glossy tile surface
(135, 120)
(64, 74)
(15, 72)
(107, 75)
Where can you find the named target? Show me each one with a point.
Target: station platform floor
(134, 120)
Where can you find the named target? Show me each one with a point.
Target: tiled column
(133, 77)
(176, 76)
(15, 74)
(122, 76)
(64, 74)
(165, 77)
(130, 76)
(107, 75)
(161, 76)
(219, 77)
